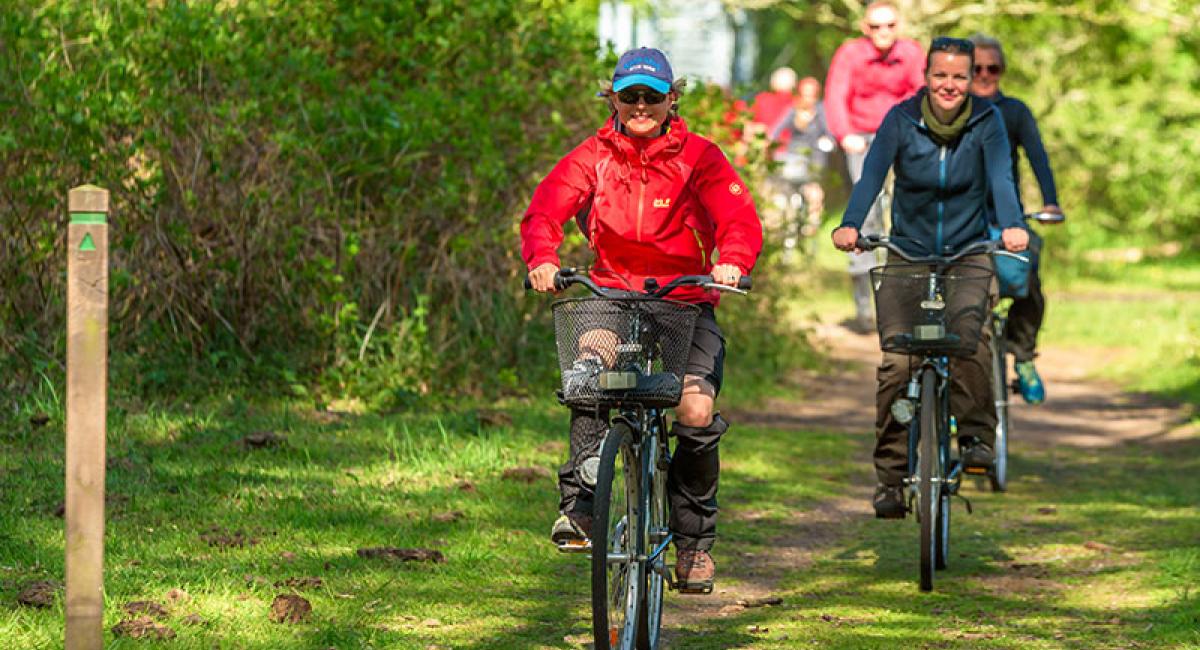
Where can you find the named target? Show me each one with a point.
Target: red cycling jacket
(659, 208)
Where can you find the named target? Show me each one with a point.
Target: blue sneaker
(1032, 388)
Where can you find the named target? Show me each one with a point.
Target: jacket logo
(662, 203)
(735, 188)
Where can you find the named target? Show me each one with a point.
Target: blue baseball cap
(644, 66)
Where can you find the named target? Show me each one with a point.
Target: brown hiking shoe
(572, 532)
(694, 571)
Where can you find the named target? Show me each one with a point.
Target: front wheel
(1000, 392)
(929, 475)
(618, 575)
(659, 536)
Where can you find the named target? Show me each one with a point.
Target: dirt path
(1080, 412)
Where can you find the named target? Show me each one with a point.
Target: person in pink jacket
(868, 76)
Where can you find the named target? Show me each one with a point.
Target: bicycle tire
(928, 462)
(658, 532)
(617, 587)
(999, 474)
(941, 544)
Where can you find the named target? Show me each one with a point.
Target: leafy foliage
(319, 189)
(321, 184)
(1113, 85)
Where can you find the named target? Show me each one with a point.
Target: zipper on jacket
(941, 205)
(645, 177)
(700, 245)
(641, 208)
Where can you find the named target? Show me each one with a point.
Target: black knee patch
(698, 440)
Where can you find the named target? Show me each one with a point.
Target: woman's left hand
(1015, 239)
(726, 274)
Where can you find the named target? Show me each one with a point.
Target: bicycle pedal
(584, 546)
(976, 469)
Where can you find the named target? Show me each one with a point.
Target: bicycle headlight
(903, 410)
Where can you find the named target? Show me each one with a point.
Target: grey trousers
(860, 263)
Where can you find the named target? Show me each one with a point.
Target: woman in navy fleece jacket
(948, 150)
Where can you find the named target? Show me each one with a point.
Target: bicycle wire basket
(922, 312)
(623, 350)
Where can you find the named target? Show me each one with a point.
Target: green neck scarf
(944, 134)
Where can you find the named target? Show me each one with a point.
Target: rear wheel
(929, 473)
(1000, 392)
(618, 576)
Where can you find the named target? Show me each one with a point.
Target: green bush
(286, 179)
(319, 194)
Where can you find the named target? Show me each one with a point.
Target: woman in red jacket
(661, 200)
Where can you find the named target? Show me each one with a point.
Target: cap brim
(642, 80)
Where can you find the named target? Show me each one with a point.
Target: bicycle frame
(941, 367)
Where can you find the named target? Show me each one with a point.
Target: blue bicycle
(638, 344)
(933, 308)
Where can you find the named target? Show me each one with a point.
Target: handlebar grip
(745, 283)
(560, 282)
(528, 283)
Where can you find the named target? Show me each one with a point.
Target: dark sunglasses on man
(992, 68)
(641, 96)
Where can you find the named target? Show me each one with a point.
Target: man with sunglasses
(866, 78)
(1025, 314)
(662, 200)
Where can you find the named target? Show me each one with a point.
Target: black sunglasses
(948, 44)
(992, 68)
(641, 96)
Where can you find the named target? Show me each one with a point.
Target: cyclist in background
(662, 200)
(768, 107)
(867, 76)
(809, 142)
(949, 152)
(1025, 315)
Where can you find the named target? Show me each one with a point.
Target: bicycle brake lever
(724, 287)
(1010, 254)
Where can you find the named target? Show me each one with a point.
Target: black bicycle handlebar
(568, 276)
(988, 247)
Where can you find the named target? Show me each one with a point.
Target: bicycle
(1001, 386)
(932, 308)
(797, 226)
(644, 340)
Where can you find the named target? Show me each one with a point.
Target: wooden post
(87, 401)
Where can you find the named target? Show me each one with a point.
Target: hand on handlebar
(1015, 239)
(726, 274)
(846, 239)
(542, 278)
